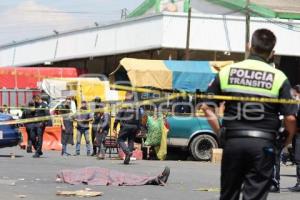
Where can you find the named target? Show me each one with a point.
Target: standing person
(42, 110)
(83, 120)
(102, 131)
(6, 109)
(249, 128)
(28, 113)
(67, 130)
(96, 106)
(296, 144)
(128, 118)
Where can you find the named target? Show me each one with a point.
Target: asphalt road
(35, 178)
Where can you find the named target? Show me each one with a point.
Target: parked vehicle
(193, 134)
(9, 134)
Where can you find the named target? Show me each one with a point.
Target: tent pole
(187, 48)
(247, 35)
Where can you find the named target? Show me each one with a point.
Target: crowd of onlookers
(86, 116)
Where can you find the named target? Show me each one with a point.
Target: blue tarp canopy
(170, 74)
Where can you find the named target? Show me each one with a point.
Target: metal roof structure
(285, 9)
(209, 32)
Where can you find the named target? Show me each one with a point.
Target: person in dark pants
(96, 120)
(129, 119)
(279, 145)
(101, 131)
(67, 129)
(28, 113)
(249, 128)
(83, 120)
(275, 186)
(296, 145)
(42, 110)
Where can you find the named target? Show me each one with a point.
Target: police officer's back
(251, 127)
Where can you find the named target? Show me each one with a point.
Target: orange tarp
(51, 138)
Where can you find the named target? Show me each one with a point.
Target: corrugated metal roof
(291, 6)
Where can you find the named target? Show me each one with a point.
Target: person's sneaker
(65, 154)
(36, 155)
(164, 175)
(127, 158)
(94, 153)
(40, 153)
(100, 156)
(88, 153)
(274, 188)
(76, 154)
(296, 188)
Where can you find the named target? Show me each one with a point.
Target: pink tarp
(103, 176)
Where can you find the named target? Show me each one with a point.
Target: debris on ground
(79, 193)
(21, 196)
(8, 182)
(208, 189)
(12, 155)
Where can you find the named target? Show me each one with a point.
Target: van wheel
(201, 146)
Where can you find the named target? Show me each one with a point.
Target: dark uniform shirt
(42, 110)
(259, 116)
(128, 117)
(101, 121)
(27, 114)
(298, 117)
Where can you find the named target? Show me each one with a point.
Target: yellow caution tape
(116, 107)
(204, 97)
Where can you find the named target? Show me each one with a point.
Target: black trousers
(127, 133)
(276, 173)
(29, 131)
(37, 137)
(247, 167)
(94, 134)
(297, 155)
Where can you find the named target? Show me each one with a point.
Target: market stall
(167, 74)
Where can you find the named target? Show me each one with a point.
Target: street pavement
(34, 179)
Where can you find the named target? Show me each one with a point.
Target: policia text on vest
(251, 78)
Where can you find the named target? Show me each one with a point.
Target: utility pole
(247, 38)
(187, 47)
(124, 13)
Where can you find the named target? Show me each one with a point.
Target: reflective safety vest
(252, 77)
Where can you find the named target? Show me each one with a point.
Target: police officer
(129, 119)
(102, 130)
(296, 145)
(96, 120)
(41, 110)
(249, 128)
(28, 113)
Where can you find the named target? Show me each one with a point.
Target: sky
(27, 19)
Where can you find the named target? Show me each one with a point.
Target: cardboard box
(216, 155)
